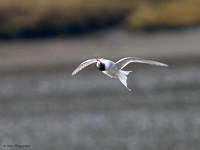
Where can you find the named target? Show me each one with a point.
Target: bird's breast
(111, 73)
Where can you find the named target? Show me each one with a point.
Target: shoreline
(52, 54)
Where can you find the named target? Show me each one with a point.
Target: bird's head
(100, 64)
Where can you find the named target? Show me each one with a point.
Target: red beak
(98, 60)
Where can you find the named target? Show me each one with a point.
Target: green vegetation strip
(28, 18)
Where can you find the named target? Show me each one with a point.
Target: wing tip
(73, 73)
(164, 65)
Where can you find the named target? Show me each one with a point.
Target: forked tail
(123, 78)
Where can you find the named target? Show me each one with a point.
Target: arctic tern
(114, 69)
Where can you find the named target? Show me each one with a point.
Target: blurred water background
(43, 106)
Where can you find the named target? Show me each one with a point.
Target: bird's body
(114, 69)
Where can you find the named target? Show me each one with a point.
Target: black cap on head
(101, 66)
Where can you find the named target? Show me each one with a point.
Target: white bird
(114, 69)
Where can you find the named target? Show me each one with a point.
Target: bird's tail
(123, 78)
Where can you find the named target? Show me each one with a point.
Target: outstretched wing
(125, 61)
(83, 65)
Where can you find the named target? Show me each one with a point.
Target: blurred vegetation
(173, 14)
(21, 18)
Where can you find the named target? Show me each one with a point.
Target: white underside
(121, 75)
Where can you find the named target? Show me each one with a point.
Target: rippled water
(53, 110)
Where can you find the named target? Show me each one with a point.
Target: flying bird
(114, 69)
